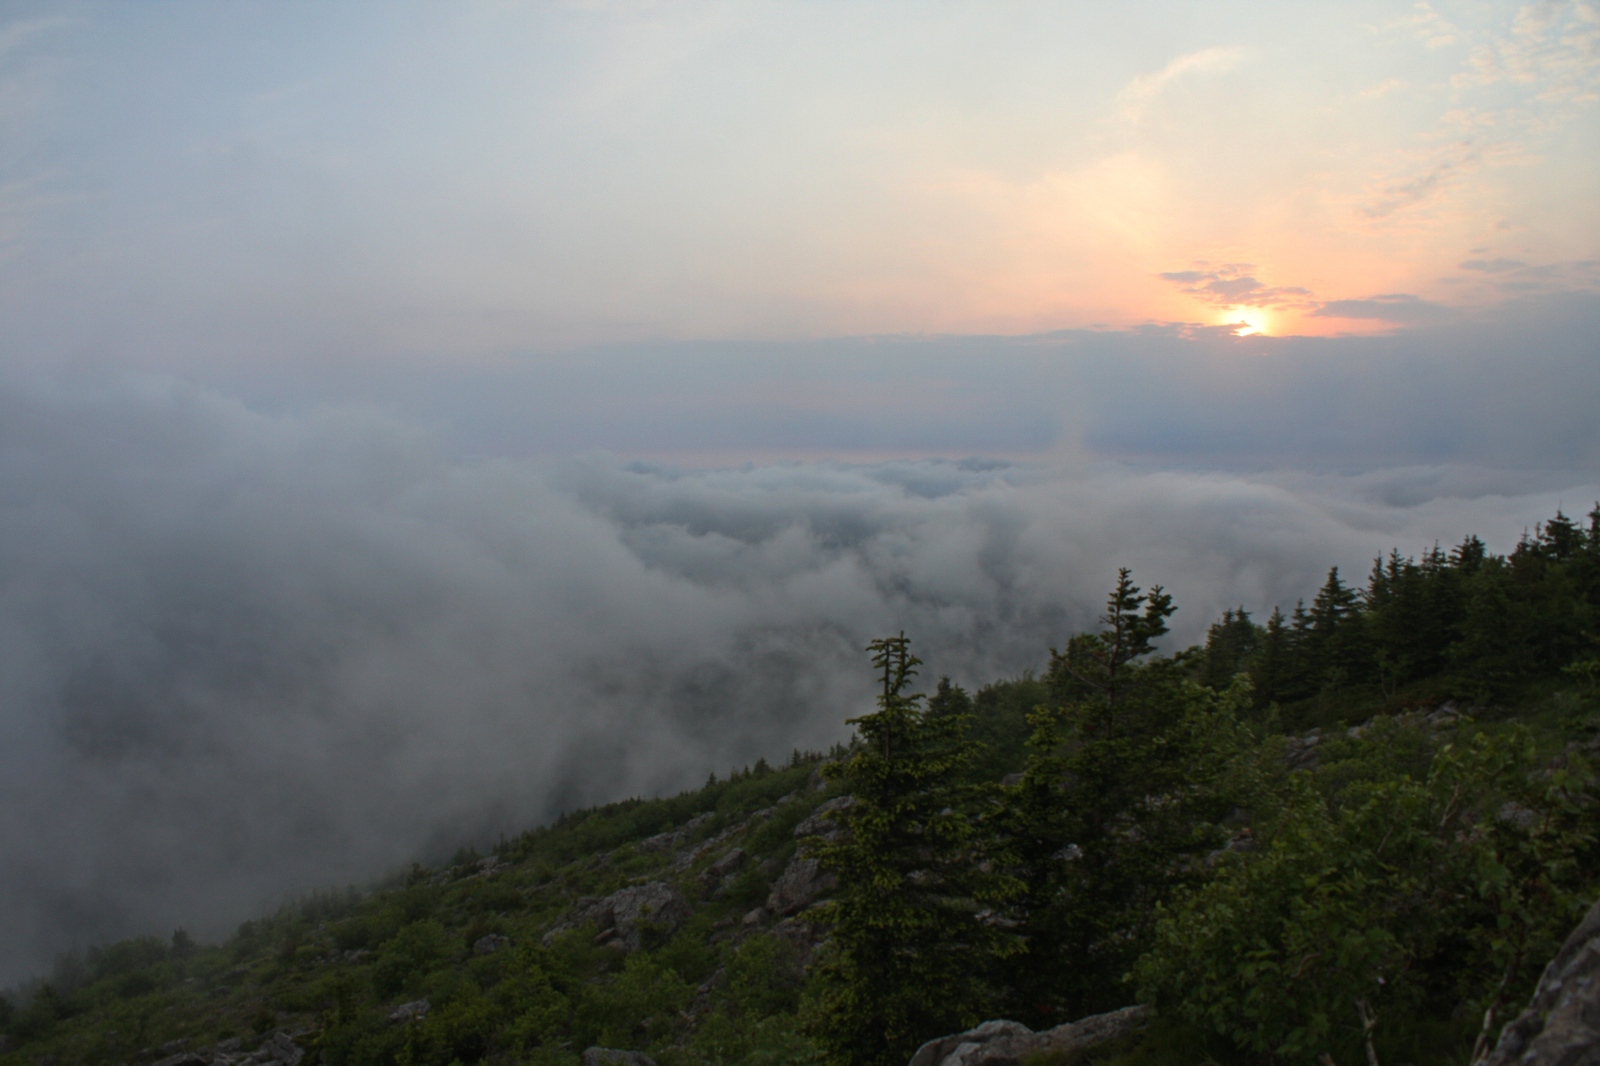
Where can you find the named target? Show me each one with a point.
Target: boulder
(821, 823)
(488, 945)
(183, 1058)
(674, 837)
(610, 1056)
(624, 915)
(405, 1012)
(281, 1049)
(1304, 752)
(656, 904)
(804, 936)
(730, 861)
(1561, 1026)
(800, 885)
(1005, 1043)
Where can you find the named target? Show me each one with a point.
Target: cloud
(1492, 266)
(1231, 285)
(243, 655)
(1519, 85)
(1397, 307)
(1142, 93)
(1432, 28)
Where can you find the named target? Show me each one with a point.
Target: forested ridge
(1349, 832)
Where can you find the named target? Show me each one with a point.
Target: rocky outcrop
(1003, 1043)
(405, 1012)
(489, 944)
(624, 916)
(821, 822)
(674, 838)
(802, 883)
(610, 1056)
(277, 1049)
(1561, 1026)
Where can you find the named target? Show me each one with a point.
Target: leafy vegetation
(1352, 833)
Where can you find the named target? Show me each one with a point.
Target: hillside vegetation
(1354, 832)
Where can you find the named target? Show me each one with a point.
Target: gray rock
(655, 904)
(820, 823)
(405, 1012)
(803, 935)
(610, 1056)
(1517, 816)
(674, 837)
(488, 945)
(1005, 1043)
(730, 861)
(1303, 752)
(183, 1058)
(1561, 1026)
(623, 916)
(281, 1049)
(800, 885)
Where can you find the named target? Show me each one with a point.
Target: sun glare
(1247, 321)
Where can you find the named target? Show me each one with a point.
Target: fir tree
(912, 922)
(1117, 785)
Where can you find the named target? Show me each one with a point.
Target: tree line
(1169, 840)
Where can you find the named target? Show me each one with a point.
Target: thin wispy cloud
(1525, 79)
(1233, 285)
(1143, 92)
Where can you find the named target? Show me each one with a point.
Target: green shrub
(409, 954)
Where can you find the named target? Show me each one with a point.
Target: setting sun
(1249, 321)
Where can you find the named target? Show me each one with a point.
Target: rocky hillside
(1354, 833)
(635, 924)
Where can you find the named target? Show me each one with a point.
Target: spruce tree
(1118, 790)
(913, 918)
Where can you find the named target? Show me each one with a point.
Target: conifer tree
(912, 921)
(1118, 787)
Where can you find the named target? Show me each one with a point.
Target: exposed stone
(183, 1058)
(609, 1056)
(1561, 1026)
(1303, 753)
(730, 861)
(655, 904)
(672, 838)
(799, 886)
(803, 935)
(1517, 816)
(755, 917)
(280, 1048)
(488, 945)
(405, 1012)
(1005, 1043)
(629, 912)
(820, 823)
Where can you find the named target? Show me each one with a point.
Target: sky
(420, 419)
(188, 183)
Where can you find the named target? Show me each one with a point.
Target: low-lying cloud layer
(243, 656)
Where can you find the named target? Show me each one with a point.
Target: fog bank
(245, 655)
